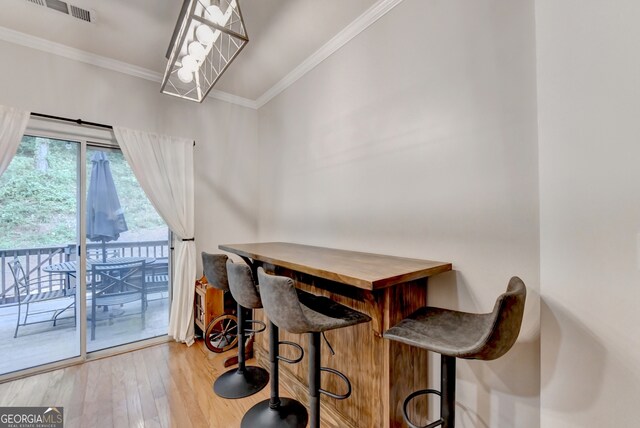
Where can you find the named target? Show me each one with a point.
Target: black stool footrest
(341, 376)
(262, 327)
(411, 397)
(288, 360)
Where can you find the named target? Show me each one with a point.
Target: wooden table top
(363, 270)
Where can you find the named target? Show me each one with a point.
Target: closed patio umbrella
(105, 218)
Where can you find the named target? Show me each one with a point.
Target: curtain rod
(77, 121)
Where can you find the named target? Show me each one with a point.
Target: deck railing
(34, 260)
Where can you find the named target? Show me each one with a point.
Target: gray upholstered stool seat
(245, 380)
(323, 314)
(459, 334)
(455, 334)
(215, 269)
(243, 287)
(276, 412)
(300, 312)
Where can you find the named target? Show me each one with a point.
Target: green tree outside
(38, 195)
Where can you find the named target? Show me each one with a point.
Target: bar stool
(275, 412)
(245, 380)
(455, 334)
(300, 312)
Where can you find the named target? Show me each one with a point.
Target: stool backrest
(280, 302)
(243, 289)
(215, 269)
(507, 320)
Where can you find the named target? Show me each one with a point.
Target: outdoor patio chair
(28, 292)
(99, 254)
(116, 284)
(157, 278)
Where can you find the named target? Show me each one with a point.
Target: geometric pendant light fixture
(208, 36)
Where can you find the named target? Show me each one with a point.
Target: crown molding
(65, 51)
(233, 99)
(357, 26)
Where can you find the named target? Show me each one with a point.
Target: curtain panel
(163, 166)
(13, 122)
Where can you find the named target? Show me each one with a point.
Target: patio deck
(42, 343)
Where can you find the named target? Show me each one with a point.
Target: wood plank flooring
(167, 385)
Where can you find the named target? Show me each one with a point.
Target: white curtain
(13, 122)
(164, 168)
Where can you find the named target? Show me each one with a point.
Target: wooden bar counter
(387, 289)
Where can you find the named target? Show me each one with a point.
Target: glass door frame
(95, 138)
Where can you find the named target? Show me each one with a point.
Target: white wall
(589, 128)
(418, 138)
(225, 134)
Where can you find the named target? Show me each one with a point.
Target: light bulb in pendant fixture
(189, 63)
(205, 35)
(214, 14)
(197, 51)
(185, 75)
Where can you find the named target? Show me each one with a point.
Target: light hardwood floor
(168, 385)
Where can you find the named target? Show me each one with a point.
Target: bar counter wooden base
(382, 372)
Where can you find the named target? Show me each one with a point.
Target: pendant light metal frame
(185, 23)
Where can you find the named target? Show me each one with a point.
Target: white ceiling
(282, 33)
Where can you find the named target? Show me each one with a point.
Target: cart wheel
(222, 333)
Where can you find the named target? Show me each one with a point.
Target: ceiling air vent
(58, 5)
(80, 13)
(68, 9)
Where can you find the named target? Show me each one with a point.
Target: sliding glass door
(39, 226)
(84, 256)
(127, 255)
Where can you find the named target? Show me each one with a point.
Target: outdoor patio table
(70, 268)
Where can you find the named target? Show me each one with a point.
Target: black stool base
(289, 414)
(234, 384)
